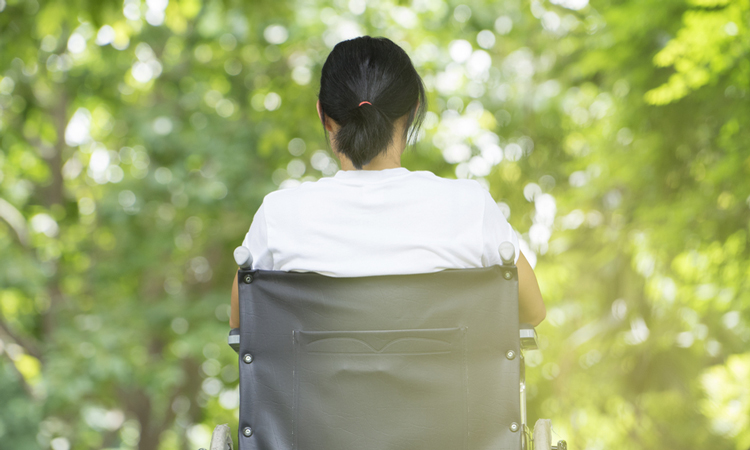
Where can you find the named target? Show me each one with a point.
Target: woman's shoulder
(288, 196)
(463, 185)
(423, 179)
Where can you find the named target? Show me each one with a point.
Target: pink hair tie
(362, 103)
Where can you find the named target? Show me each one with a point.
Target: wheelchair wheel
(221, 438)
(542, 434)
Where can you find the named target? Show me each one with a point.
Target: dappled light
(138, 138)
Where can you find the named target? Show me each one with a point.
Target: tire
(221, 438)
(542, 435)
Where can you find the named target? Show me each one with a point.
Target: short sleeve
(496, 230)
(256, 240)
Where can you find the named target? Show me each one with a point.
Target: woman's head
(379, 72)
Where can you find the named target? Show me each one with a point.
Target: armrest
(528, 337)
(234, 339)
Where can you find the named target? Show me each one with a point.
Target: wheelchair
(430, 361)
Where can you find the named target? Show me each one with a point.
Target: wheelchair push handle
(507, 253)
(243, 258)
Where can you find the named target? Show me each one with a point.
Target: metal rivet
(507, 275)
(247, 431)
(510, 354)
(248, 279)
(514, 427)
(248, 358)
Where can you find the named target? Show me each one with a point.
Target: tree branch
(15, 219)
(54, 195)
(21, 379)
(28, 346)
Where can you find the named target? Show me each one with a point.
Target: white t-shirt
(381, 222)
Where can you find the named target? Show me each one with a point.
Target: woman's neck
(388, 160)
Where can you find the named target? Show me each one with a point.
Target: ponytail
(366, 85)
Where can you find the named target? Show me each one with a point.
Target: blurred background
(137, 139)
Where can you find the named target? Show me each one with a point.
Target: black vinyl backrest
(396, 362)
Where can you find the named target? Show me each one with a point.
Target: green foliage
(712, 42)
(138, 138)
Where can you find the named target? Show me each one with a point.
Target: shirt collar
(370, 174)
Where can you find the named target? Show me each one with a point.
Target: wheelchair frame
(538, 439)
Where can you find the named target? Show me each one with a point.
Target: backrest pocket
(381, 389)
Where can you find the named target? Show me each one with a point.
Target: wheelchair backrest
(414, 362)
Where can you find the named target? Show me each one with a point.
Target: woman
(374, 217)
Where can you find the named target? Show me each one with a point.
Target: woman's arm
(256, 241)
(531, 308)
(234, 317)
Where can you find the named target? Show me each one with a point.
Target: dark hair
(374, 70)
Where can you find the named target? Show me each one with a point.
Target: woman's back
(375, 217)
(379, 222)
